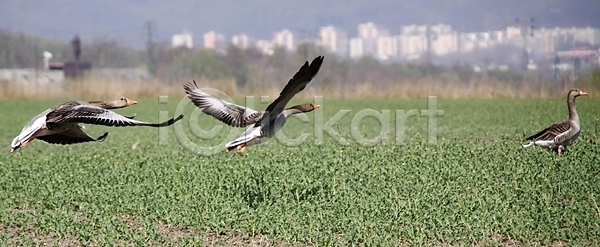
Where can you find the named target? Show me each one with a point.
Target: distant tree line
(244, 66)
(19, 50)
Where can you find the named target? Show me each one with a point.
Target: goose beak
(13, 149)
(316, 106)
(582, 93)
(131, 102)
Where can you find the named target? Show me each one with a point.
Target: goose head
(116, 103)
(574, 93)
(307, 107)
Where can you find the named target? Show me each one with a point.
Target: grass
(476, 186)
(97, 87)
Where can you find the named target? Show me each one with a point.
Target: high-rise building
(184, 39)
(387, 47)
(267, 47)
(356, 48)
(417, 40)
(214, 41)
(241, 41)
(285, 39)
(334, 40)
(369, 32)
(586, 35)
(513, 32)
(411, 46)
(445, 43)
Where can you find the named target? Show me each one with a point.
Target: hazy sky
(124, 20)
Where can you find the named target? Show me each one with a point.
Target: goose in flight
(262, 126)
(60, 124)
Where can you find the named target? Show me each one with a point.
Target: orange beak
(582, 93)
(130, 102)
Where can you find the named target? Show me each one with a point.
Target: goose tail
(528, 144)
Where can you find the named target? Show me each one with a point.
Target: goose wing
(550, 133)
(298, 82)
(71, 136)
(226, 112)
(90, 114)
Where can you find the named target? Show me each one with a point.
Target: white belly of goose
(545, 143)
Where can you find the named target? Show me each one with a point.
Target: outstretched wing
(90, 114)
(298, 82)
(71, 136)
(226, 112)
(548, 134)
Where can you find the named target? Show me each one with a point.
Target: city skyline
(420, 42)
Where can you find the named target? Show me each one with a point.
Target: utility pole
(526, 29)
(149, 33)
(428, 37)
(576, 67)
(556, 63)
(305, 38)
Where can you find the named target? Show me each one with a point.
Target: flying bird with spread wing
(60, 124)
(262, 126)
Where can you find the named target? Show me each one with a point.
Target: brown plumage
(60, 124)
(260, 133)
(559, 135)
(226, 112)
(262, 125)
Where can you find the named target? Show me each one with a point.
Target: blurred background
(454, 49)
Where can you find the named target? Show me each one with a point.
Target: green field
(141, 187)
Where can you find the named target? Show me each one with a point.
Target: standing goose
(559, 135)
(60, 124)
(262, 126)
